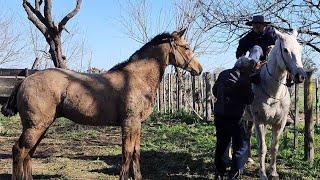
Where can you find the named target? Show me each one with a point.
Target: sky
(99, 24)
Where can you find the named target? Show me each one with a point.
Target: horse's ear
(294, 33)
(279, 34)
(179, 33)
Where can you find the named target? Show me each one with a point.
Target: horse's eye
(285, 50)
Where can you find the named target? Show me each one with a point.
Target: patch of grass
(173, 116)
(174, 145)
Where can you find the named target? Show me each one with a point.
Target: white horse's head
(289, 55)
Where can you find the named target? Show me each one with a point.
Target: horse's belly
(91, 111)
(271, 113)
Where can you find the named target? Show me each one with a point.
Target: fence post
(208, 95)
(200, 103)
(296, 115)
(193, 89)
(177, 91)
(164, 80)
(309, 123)
(158, 99)
(317, 100)
(170, 92)
(182, 88)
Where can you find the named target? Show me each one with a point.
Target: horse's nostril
(299, 78)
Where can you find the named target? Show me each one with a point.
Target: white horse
(272, 100)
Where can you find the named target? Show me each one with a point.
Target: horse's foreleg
(261, 132)
(129, 131)
(136, 154)
(276, 132)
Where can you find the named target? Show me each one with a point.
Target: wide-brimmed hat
(259, 19)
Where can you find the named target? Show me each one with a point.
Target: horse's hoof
(274, 177)
(263, 177)
(250, 161)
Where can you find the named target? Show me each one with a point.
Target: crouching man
(233, 92)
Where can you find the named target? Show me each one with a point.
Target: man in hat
(233, 92)
(258, 41)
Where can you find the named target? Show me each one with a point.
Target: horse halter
(172, 45)
(283, 59)
(285, 63)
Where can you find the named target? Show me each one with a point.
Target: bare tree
(74, 45)
(228, 17)
(10, 48)
(140, 22)
(51, 30)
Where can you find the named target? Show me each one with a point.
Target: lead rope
(180, 79)
(187, 99)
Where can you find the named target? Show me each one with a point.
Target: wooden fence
(186, 92)
(9, 78)
(195, 94)
(192, 93)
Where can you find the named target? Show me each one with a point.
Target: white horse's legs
(276, 132)
(261, 132)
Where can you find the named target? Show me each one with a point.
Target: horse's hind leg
(130, 130)
(21, 169)
(136, 154)
(27, 164)
(276, 132)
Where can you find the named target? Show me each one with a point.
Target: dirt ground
(90, 155)
(58, 158)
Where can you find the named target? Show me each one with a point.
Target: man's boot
(218, 176)
(234, 175)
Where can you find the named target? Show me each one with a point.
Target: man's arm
(242, 47)
(270, 31)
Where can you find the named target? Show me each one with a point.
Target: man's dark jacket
(252, 38)
(232, 97)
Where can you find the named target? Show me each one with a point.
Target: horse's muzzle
(300, 76)
(196, 72)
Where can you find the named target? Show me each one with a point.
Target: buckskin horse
(123, 96)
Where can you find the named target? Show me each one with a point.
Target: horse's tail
(10, 108)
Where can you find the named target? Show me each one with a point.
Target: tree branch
(69, 15)
(37, 13)
(37, 4)
(34, 19)
(313, 47)
(47, 12)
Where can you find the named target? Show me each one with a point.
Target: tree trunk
(50, 30)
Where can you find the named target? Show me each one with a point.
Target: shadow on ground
(8, 176)
(158, 164)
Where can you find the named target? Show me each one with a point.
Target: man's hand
(233, 78)
(260, 64)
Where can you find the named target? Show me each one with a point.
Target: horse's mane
(163, 37)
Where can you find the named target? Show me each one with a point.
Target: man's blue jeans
(225, 132)
(255, 53)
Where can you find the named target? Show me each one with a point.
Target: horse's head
(181, 54)
(290, 55)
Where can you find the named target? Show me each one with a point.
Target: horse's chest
(139, 104)
(270, 110)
